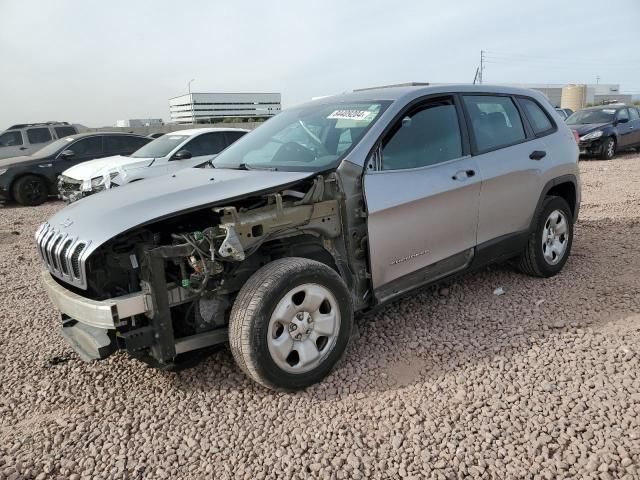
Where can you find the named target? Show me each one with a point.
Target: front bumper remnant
(99, 314)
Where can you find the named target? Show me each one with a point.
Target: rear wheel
(550, 242)
(608, 149)
(30, 191)
(290, 323)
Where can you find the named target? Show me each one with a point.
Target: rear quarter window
(539, 120)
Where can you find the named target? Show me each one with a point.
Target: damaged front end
(71, 190)
(166, 289)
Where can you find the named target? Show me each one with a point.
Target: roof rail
(408, 84)
(39, 124)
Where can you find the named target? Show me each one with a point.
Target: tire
(286, 306)
(544, 257)
(30, 191)
(608, 149)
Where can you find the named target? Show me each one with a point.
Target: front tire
(30, 191)
(549, 243)
(608, 149)
(291, 323)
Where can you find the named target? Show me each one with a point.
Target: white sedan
(167, 154)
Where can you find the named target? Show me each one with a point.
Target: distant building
(566, 96)
(215, 107)
(139, 122)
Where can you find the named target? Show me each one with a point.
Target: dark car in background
(607, 129)
(29, 180)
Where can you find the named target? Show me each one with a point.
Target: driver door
(83, 150)
(422, 199)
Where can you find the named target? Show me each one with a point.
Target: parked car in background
(330, 208)
(29, 180)
(605, 130)
(25, 139)
(167, 154)
(564, 112)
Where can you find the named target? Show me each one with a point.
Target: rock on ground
(449, 383)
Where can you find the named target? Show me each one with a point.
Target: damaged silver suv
(327, 210)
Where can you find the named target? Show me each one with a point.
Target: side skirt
(496, 250)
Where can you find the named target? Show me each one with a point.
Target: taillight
(576, 137)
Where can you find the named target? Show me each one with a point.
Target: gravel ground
(453, 382)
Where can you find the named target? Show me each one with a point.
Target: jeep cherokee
(328, 209)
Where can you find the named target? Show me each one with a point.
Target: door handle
(23, 148)
(463, 175)
(537, 155)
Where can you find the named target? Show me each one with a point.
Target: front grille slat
(62, 254)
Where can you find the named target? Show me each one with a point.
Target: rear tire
(291, 323)
(30, 191)
(550, 241)
(608, 149)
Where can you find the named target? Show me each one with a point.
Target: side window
(87, 146)
(426, 136)
(495, 121)
(65, 131)
(38, 135)
(115, 144)
(206, 144)
(537, 117)
(233, 136)
(11, 139)
(622, 113)
(135, 143)
(633, 114)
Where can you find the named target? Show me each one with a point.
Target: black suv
(29, 180)
(606, 129)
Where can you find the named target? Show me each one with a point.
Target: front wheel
(550, 241)
(30, 191)
(290, 323)
(608, 149)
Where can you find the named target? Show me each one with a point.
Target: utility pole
(193, 117)
(481, 67)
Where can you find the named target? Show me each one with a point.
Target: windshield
(604, 115)
(304, 139)
(54, 147)
(160, 147)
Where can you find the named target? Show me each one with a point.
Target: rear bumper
(99, 314)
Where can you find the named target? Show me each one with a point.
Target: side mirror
(67, 154)
(622, 120)
(182, 155)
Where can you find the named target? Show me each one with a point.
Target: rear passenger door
(38, 137)
(634, 120)
(511, 156)
(422, 192)
(625, 128)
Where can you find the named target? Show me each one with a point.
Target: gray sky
(95, 62)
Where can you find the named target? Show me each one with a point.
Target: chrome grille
(63, 254)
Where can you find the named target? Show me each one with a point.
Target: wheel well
(566, 190)
(28, 174)
(304, 246)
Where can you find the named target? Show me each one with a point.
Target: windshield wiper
(244, 166)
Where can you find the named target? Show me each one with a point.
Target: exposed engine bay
(193, 265)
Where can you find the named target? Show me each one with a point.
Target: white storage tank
(574, 97)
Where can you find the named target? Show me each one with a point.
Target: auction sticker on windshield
(352, 115)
